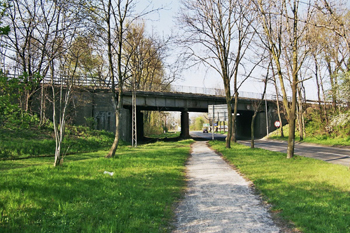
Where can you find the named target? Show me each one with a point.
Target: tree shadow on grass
(81, 198)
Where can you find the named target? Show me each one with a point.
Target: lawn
(35, 142)
(164, 135)
(328, 140)
(77, 196)
(312, 194)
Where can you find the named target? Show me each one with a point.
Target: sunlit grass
(38, 142)
(310, 138)
(313, 194)
(165, 135)
(79, 197)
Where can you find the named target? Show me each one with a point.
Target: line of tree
(300, 40)
(105, 41)
(69, 41)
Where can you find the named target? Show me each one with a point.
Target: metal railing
(97, 82)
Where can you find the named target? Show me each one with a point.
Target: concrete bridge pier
(126, 125)
(140, 129)
(185, 125)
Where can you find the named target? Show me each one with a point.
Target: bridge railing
(96, 82)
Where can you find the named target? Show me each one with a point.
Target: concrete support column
(125, 124)
(185, 126)
(140, 130)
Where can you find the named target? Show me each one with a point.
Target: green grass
(312, 194)
(321, 139)
(165, 135)
(38, 142)
(78, 197)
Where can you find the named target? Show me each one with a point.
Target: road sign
(218, 112)
(277, 124)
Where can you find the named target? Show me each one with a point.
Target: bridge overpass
(93, 99)
(98, 104)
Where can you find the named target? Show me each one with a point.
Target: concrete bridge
(98, 104)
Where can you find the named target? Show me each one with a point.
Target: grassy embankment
(34, 142)
(78, 197)
(313, 194)
(315, 135)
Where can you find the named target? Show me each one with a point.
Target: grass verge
(165, 135)
(312, 194)
(316, 139)
(79, 197)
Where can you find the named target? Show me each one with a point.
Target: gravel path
(218, 199)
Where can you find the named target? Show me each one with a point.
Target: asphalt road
(329, 154)
(199, 135)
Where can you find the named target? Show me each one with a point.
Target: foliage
(165, 135)
(154, 123)
(90, 122)
(198, 123)
(344, 87)
(336, 132)
(4, 30)
(312, 194)
(12, 116)
(79, 197)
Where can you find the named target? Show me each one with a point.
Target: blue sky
(164, 22)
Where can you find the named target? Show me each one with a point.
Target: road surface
(329, 154)
(199, 135)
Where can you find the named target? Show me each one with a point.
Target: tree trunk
(234, 126)
(252, 130)
(295, 70)
(42, 104)
(291, 139)
(277, 101)
(114, 147)
(300, 115)
(229, 113)
(318, 89)
(116, 104)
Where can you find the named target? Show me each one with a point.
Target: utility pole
(212, 125)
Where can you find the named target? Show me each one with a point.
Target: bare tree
(256, 106)
(284, 31)
(63, 62)
(218, 34)
(113, 20)
(333, 23)
(147, 58)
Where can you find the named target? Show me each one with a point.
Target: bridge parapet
(100, 83)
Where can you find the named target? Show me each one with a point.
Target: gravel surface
(218, 199)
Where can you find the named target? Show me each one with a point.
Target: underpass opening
(243, 124)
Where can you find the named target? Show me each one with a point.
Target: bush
(12, 116)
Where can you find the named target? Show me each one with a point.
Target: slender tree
(222, 32)
(282, 23)
(256, 106)
(113, 19)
